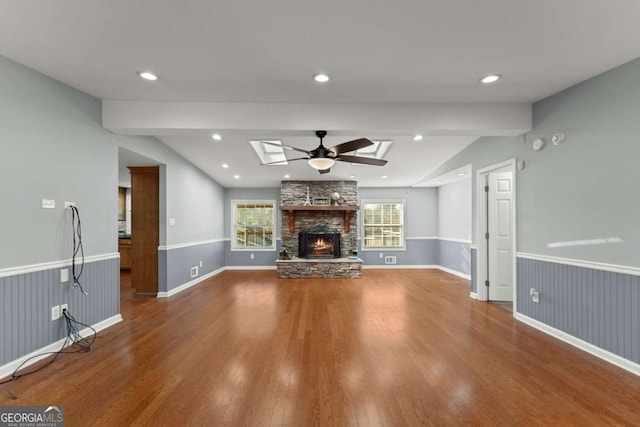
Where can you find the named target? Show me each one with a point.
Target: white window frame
(234, 205)
(403, 221)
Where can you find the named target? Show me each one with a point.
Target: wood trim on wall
(145, 228)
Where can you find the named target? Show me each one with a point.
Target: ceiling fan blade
(286, 147)
(362, 160)
(356, 144)
(282, 161)
(323, 171)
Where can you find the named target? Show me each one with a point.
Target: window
(253, 225)
(383, 224)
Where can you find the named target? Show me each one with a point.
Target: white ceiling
(217, 56)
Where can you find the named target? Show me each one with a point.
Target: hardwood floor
(395, 348)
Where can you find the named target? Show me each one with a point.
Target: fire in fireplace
(320, 241)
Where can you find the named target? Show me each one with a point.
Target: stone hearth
(319, 268)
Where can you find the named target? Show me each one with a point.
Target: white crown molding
(24, 269)
(614, 268)
(189, 244)
(603, 354)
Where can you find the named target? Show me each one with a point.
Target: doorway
(142, 206)
(496, 233)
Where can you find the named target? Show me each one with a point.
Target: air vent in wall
(390, 260)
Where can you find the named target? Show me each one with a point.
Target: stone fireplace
(321, 231)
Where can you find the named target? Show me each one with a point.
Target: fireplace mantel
(291, 209)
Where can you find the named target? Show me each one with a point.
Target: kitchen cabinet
(124, 247)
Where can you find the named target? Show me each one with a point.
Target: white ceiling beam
(175, 118)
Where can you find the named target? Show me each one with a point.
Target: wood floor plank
(395, 348)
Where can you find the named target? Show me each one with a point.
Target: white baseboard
(395, 267)
(454, 272)
(187, 285)
(8, 369)
(473, 295)
(605, 355)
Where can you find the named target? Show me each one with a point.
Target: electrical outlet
(381, 255)
(390, 260)
(55, 312)
(63, 308)
(252, 257)
(67, 205)
(535, 295)
(194, 271)
(200, 263)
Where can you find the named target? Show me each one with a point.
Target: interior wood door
(145, 228)
(500, 242)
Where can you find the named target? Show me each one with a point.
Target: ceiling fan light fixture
(321, 77)
(321, 163)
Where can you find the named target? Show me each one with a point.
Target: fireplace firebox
(319, 241)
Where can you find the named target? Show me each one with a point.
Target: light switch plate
(48, 204)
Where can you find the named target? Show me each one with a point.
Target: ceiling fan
(322, 158)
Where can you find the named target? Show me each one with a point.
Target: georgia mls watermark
(31, 416)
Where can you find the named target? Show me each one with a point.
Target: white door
(500, 242)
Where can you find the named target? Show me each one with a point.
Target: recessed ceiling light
(491, 78)
(236, 176)
(224, 165)
(461, 174)
(438, 182)
(384, 177)
(287, 176)
(352, 176)
(418, 137)
(321, 77)
(147, 75)
(216, 136)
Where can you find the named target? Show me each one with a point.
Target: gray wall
(53, 146)
(27, 298)
(599, 307)
(585, 188)
(582, 193)
(454, 210)
(454, 226)
(194, 200)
